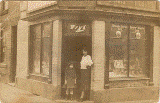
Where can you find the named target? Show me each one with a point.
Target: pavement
(11, 94)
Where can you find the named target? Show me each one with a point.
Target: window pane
(118, 51)
(137, 51)
(46, 48)
(36, 33)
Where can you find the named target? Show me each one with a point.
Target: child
(70, 80)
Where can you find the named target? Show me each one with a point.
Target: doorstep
(11, 84)
(140, 101)
(74, 101)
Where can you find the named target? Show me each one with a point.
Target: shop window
(137, 51)
(127, 51)
(40, 48)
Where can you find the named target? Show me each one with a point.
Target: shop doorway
(13, 54)
(72, 44)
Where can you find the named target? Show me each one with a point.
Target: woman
(86, 63)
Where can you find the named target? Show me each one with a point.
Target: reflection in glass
(46, 41)
(36, 47)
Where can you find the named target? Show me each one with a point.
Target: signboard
(77, 29)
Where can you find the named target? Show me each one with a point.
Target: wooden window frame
(149, 74)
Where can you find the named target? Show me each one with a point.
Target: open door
(73, 41)
(13, 53)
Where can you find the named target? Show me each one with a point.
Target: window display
(118, 51)
(127, 52)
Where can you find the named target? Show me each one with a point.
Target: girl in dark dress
(70, 80)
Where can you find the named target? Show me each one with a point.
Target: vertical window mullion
(41, 70)
(107, 40)
(50, 59)
(1, 46)
(128, 50)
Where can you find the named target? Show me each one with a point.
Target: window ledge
(3, 65)
(39, 75)
(128, 79)
(128, 82)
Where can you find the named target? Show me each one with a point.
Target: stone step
(11, 84)
(74, 101)
(140, 101)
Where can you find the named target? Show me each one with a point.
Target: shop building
(9, 17)
(121, 36)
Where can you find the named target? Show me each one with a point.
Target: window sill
(128, 78)
(128, 82)
(40, 77)
(3, 65)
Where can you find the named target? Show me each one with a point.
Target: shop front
(122, 48)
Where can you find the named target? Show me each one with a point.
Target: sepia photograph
(80, 51)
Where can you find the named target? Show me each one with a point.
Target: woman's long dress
(85, 72)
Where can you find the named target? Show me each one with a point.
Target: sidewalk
(10, 94)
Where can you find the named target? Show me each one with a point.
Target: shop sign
(78, 28)
(118, 64)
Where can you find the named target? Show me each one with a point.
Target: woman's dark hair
(85, 49)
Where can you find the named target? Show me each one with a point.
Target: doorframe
(64, 23)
